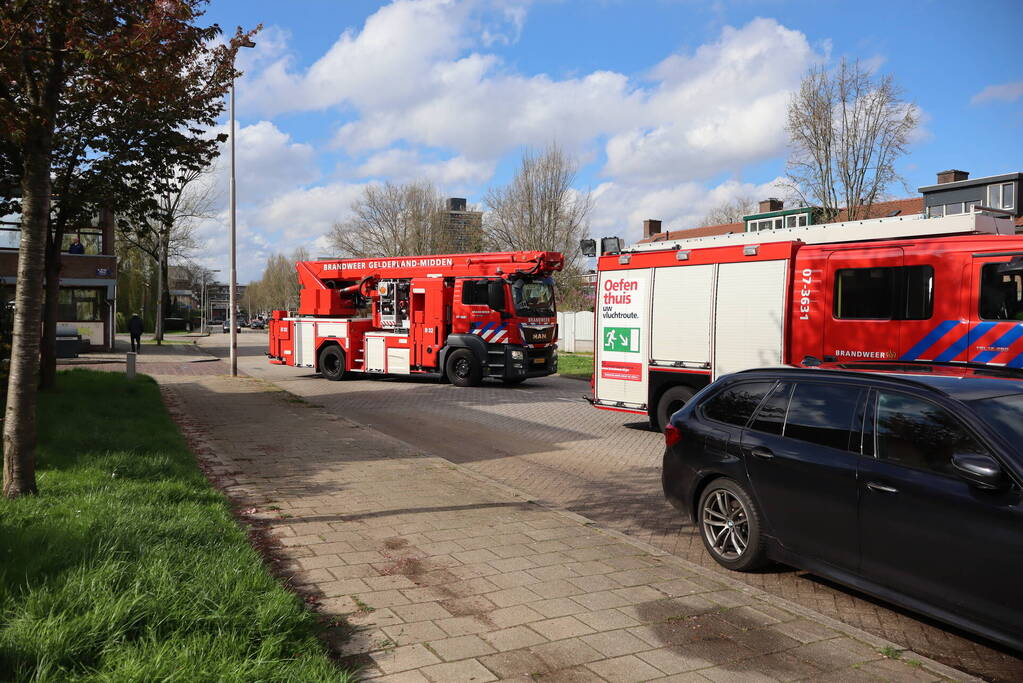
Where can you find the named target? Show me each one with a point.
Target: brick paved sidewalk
(448, 577)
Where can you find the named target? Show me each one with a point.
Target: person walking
(135, 330)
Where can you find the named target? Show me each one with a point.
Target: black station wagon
(904, 481)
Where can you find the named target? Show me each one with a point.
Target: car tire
(332, 363)
(463, 369)
(670, 401)
(730, 526)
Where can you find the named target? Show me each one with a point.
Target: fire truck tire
(463, 368)
(670, 401)
(332, 363)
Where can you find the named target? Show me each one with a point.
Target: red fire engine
(463, 316)
(672, 316)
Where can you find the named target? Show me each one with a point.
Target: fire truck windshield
(533, 297)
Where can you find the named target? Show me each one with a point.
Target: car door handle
(874, 486)
(762, 453)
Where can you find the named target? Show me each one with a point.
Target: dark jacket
(135, 326)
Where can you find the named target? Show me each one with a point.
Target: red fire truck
(673, 316)
(462, 316)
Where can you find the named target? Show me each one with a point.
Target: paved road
(541, 438)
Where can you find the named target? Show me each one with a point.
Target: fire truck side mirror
(495, 295)
(588, 247)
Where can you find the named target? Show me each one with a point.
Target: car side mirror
(980, 470)
(495, 295)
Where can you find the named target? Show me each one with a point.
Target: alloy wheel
(725, 524)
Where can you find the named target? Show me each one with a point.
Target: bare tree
(278, 288)
(730, 211)
(170, 235)
(541, 210)
(847, 130)
(394, 220)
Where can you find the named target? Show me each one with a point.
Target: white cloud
(404, 165)
(422, 81)
(417, 92)
(1004, 92)
(620, 208)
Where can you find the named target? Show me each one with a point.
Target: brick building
(953, 193)
(465, 227)
(88, 281)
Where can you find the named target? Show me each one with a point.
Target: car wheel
(332, 363)
(730, 525)
(670, 402)
(463, 368)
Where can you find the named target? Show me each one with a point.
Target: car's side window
(771, 416)
(736, 404)
(916, 433)
(823, 414)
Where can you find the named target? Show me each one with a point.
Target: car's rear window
(822, 413)
(1005, 414)
(736, 404)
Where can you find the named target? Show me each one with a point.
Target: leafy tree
(108, 66)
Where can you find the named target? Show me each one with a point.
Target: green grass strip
(128, 566)
(578, 365)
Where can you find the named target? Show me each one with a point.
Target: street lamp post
(234, 260)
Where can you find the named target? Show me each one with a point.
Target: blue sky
(670, 106)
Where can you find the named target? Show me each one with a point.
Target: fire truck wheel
(671, 400)
(332, 363)
(463, 369)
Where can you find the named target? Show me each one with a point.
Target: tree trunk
(48, 362)
(158, 328)
(20, 417)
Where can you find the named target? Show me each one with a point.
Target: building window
(953, 209)
(91, 239)
(802, 220)
(779, 223)
(790, 222)
(80, 304)
(935, 211)
(904, 293)
(1002, 196)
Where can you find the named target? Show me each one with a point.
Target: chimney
(651, 227)
(952, 176)
(771, 204)
(456, 204)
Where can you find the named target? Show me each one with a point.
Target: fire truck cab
(673, 316)
(462, 316)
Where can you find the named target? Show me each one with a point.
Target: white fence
(575, 332)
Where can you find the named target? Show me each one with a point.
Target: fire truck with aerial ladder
(672, 316)
(461, 316)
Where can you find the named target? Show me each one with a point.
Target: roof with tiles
(904, 207)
